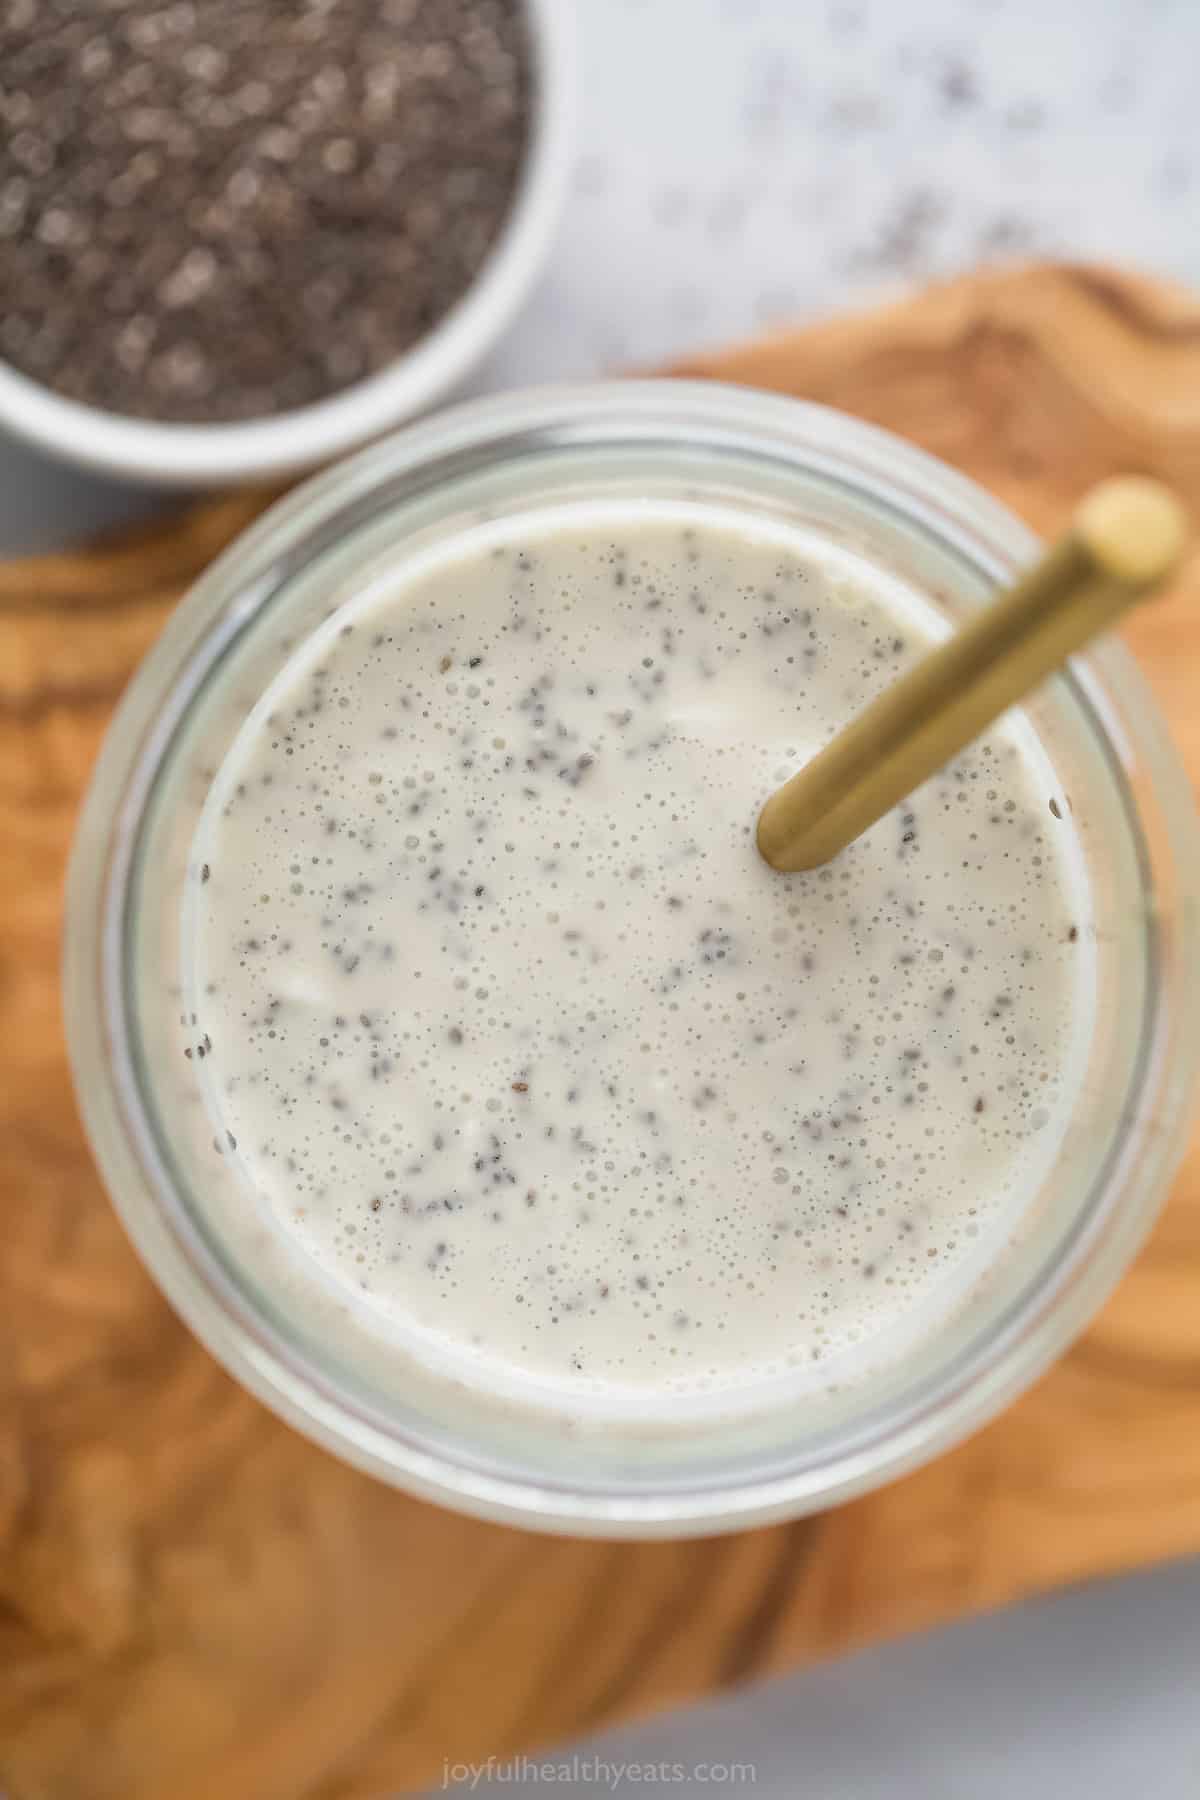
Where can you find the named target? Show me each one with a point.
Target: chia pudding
(518, 1042)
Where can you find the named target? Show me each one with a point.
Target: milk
(508, 1029)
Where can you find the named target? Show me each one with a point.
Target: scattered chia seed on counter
(218, 210)
(523, 1044)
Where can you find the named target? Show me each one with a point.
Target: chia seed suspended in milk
(222, 209)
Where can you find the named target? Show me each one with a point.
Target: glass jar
(227, 1269)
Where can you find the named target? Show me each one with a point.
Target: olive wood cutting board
(194, 1601)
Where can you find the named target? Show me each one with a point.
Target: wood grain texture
(195, 1602)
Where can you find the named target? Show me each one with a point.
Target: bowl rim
(170, 454)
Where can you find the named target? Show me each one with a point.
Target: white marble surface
(745, 163)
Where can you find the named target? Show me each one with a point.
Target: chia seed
(224, 209)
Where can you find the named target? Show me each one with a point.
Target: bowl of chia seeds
(240, 237)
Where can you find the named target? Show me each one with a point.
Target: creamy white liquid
(512, 1032)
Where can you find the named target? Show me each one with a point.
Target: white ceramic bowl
(172, 455)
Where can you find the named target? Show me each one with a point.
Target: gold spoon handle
(1127, 534)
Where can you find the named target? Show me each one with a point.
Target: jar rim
(1026, 1335)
